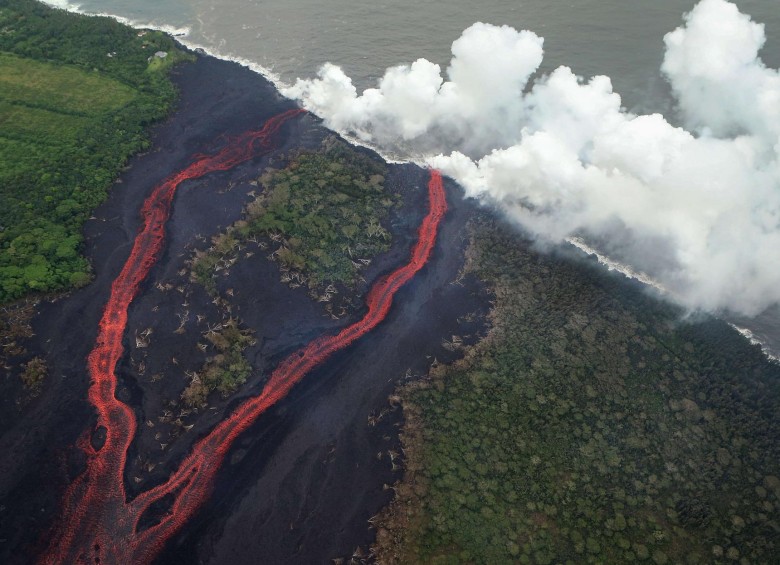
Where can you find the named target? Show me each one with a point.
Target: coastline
(748, 335)
(315, 449)
(181, 33)
(324, 419)
(577, 357)
(654, 286)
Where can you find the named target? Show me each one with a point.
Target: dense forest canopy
(76, 94)
(592, 425)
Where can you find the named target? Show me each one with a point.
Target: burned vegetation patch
(25, 371)
(227, 369)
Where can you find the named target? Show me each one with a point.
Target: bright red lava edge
(97, 523)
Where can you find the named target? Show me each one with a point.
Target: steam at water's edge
(698, 210)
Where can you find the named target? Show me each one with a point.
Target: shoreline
(286, 450)
(642, 372)
(748, 335)
(36, 458)
(180, 35)
(651, 285)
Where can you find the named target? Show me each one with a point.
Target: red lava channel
(97, 523)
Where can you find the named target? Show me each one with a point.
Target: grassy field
(76, 95)
(593, 425)
(64, 90)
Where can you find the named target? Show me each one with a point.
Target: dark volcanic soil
(308, 477)
(300, 487)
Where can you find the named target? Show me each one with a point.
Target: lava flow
(98, 524)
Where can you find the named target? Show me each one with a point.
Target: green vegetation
(34, 373)
(225, 371)
(320, 217)
(322, 214)
(76, 94)
(591, 426)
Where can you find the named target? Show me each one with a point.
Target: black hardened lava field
(231, 334)
(196, 180)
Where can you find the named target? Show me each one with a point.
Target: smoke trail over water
(697, 209)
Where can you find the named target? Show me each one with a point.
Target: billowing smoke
(414, 108)
(698, 209)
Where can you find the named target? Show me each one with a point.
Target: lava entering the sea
(98, 524)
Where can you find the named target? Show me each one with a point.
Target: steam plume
(698, 209)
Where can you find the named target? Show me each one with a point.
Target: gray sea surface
(622, 39)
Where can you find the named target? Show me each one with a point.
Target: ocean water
(622, 39)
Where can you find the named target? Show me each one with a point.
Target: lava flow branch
(98, 524)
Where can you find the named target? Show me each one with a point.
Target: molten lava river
(98, 524)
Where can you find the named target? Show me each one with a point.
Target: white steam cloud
(696, 209)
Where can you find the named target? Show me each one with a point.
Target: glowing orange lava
(98, 524)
